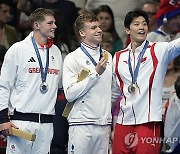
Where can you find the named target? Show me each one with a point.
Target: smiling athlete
(138, 73)
(28, 88)
(90, 117)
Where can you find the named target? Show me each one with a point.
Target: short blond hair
(39, 15)
(83, 18)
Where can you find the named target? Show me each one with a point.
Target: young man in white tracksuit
(90, 117)
(138, 72)
(30, 76)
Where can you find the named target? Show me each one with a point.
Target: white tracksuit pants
(88, 139)
(44, 134)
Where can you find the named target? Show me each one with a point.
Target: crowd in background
(164, 26)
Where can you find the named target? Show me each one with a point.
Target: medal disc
(43, 87)
(132, 88)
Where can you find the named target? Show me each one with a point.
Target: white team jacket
(146, 105)
(161, 37)
(20, 78)
(93, 94)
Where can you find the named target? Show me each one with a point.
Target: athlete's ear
(36, 25)
(127, 30)
(81, 33)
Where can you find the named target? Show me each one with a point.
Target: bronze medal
(132, 88)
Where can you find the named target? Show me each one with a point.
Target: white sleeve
(115, 87)
(173, 49)
(8, 75)
(73, 89)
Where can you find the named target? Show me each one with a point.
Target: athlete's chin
(52, 36)
(99, 40)
(142, 39)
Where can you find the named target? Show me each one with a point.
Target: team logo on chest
(88, 62)
(12, 148)
(52, 58)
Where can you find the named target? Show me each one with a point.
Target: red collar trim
(48, 45)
